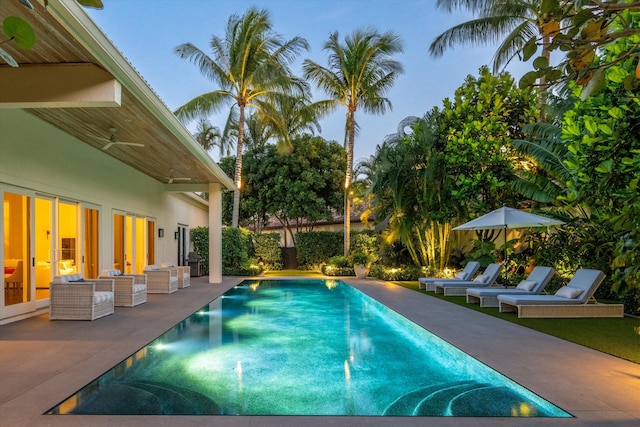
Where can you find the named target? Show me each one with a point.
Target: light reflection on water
(303, 347)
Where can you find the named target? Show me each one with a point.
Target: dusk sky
(147, 31)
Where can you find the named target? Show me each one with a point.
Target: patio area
(42, 362)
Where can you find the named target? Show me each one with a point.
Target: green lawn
(615, 336)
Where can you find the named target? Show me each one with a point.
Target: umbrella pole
(506, 260)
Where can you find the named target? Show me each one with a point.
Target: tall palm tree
(513, 23)
(250, 64)
(359, 74)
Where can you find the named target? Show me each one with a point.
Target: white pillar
(215, 233)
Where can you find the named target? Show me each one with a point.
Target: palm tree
(210, 136)
(359, 74)
(513, 23)
(250, 64)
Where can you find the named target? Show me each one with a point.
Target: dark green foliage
(299, 189)
(200, 241)
(632, 302)
(267, 250)
(407, 272)
(237, 250)
(314, 248)
(338, 266)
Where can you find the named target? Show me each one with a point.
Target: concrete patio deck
(42, 362)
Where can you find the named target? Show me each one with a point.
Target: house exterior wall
(37, 158)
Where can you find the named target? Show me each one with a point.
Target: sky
(147, 32)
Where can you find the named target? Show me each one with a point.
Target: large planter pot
(361, 271)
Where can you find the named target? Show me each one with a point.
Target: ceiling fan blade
(133, 144)
(106, 147)
(170, 180)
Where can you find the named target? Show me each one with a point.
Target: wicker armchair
(130, 289)
(161, 281)
(184, 275)
(72, 298)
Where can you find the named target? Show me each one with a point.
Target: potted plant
(361, 263)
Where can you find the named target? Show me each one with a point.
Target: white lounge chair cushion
(462, 275)
(112, 272)
(139, 288)
(102, 297)
(481, 278)
(568, 292)
(526, 285)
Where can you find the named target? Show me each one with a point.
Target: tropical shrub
(267, 250)
(314, 248)
(338, 265)
(200, 240)
(237, 251)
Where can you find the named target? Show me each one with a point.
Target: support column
(215, 233)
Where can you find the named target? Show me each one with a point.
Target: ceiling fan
(172, 178)
(113, 141)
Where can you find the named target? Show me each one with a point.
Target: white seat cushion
(102, 297)
(139, 288)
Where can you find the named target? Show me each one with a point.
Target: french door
(44, 236)
(129, 243)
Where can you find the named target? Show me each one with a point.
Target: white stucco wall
(38, 157)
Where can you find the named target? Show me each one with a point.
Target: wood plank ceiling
(165, 152)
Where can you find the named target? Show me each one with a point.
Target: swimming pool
(302, 347)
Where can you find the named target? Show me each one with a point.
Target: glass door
(183, 243)
(90, 258)
(18, 292)
(44, 246)
(129, 243)
(68, 242)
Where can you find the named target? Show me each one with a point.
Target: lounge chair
(74, 298)
(459, 287)
(184, 275)
(532, 285)
(574, 300)
(470, 269)
(161, 281)
(130, 289)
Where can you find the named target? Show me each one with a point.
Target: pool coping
(42, 362)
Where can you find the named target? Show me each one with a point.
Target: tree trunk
(238, 172)
(543, 85)
(347, 181)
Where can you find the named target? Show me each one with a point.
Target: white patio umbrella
(505, 218)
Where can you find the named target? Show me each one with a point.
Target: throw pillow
(9, 270)
(75, 281)
(461, 276)
(527, 285)
(481, 278)
(568, 292)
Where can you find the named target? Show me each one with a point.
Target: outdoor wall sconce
(160, 232)
(176, 235)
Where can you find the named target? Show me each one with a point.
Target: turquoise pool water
(303, 347)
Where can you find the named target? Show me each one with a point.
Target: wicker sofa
(130, 289)
(74, 298)
(161, 281)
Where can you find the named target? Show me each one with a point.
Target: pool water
(303, 347)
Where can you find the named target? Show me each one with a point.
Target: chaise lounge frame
(551, 306)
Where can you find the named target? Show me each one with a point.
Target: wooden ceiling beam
(58, 86)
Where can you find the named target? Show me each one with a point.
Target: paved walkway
(42, 362)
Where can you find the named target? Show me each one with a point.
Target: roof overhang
(75, 79)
